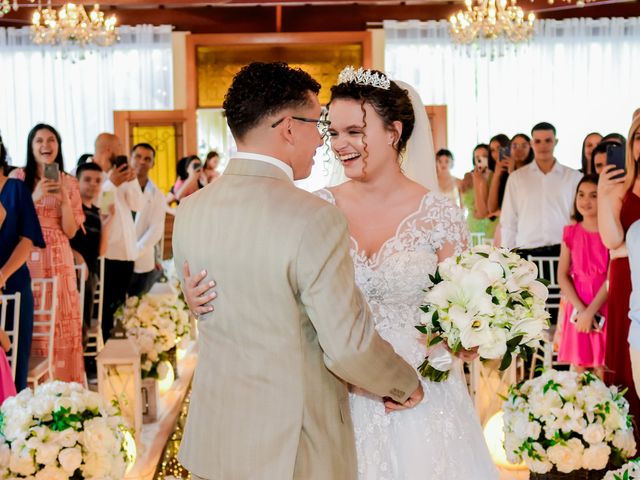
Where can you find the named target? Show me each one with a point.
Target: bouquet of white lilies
(487, 299)
(62, 432)
(567, 421)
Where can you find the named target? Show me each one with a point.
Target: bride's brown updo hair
(392, 104)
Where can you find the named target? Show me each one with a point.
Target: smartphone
(120, 160)
(107, 199)
(51, 171)
(598, 320)
(482, 163)
(505, 152)
(616, 156)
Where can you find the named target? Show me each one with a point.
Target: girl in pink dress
(7, 387)
(59, 208)
(582, 273)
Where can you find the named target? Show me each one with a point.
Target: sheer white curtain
(582, 75)
(78, 97)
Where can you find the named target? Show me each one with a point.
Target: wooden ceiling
(260, 16)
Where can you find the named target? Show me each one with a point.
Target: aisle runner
(169, 467)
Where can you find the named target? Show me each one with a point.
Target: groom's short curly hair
(260, 90)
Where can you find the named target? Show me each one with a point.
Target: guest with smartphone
(121, 183)
(57, 200)
(619, 196)
(475, 190)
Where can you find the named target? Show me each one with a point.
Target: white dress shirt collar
(556, 168)
(267, 159)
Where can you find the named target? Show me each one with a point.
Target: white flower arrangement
(629, 471)
(62, 431)
(567, 421)
(487, 299)
(157, 323)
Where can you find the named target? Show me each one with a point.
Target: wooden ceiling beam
(314, 18)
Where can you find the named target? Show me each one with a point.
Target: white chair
(45, 297)
(477, 238)
(95, 342)
(13, 334)
(81, 277)
(547, 267)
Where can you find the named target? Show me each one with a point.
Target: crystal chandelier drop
(7, 5)
(71, 26)
(489, 20)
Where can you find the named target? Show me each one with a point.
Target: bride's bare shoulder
(341, 191)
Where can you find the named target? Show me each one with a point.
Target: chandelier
(489, 20)
(72, 26)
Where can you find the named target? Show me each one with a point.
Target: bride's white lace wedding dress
(440, 438)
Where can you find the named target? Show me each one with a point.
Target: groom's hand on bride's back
(414, 399)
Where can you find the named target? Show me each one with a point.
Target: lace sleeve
(325, 195)
(447, 222)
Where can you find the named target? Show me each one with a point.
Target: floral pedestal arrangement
(157, 323)
(565, 425)
(61, 432)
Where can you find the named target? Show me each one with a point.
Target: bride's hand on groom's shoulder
(197, 293)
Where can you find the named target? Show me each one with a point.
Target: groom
(290, 327)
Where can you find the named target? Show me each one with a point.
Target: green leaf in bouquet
(435, 278)
(587, 378)
(617, 458)
(435, 340)
(430, 373)
(482, 254)
(422, 329)
(2, 423)
(63, 419)
(550, 385)
(506, 361)
(544, 281)
(436, 321)
(514, 342)
(525, 294)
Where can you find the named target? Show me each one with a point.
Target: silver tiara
(363, 76)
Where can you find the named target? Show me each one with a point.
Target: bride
(399, 230)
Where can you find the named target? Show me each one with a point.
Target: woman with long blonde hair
(619, 203)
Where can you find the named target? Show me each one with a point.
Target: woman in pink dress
(582, 273)
(59, 208)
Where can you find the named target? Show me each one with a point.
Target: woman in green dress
(475, 192)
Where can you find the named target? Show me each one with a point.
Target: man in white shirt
(538, 199)
(149, 221)
(122, 248)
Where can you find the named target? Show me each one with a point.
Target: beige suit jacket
(268, 400)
